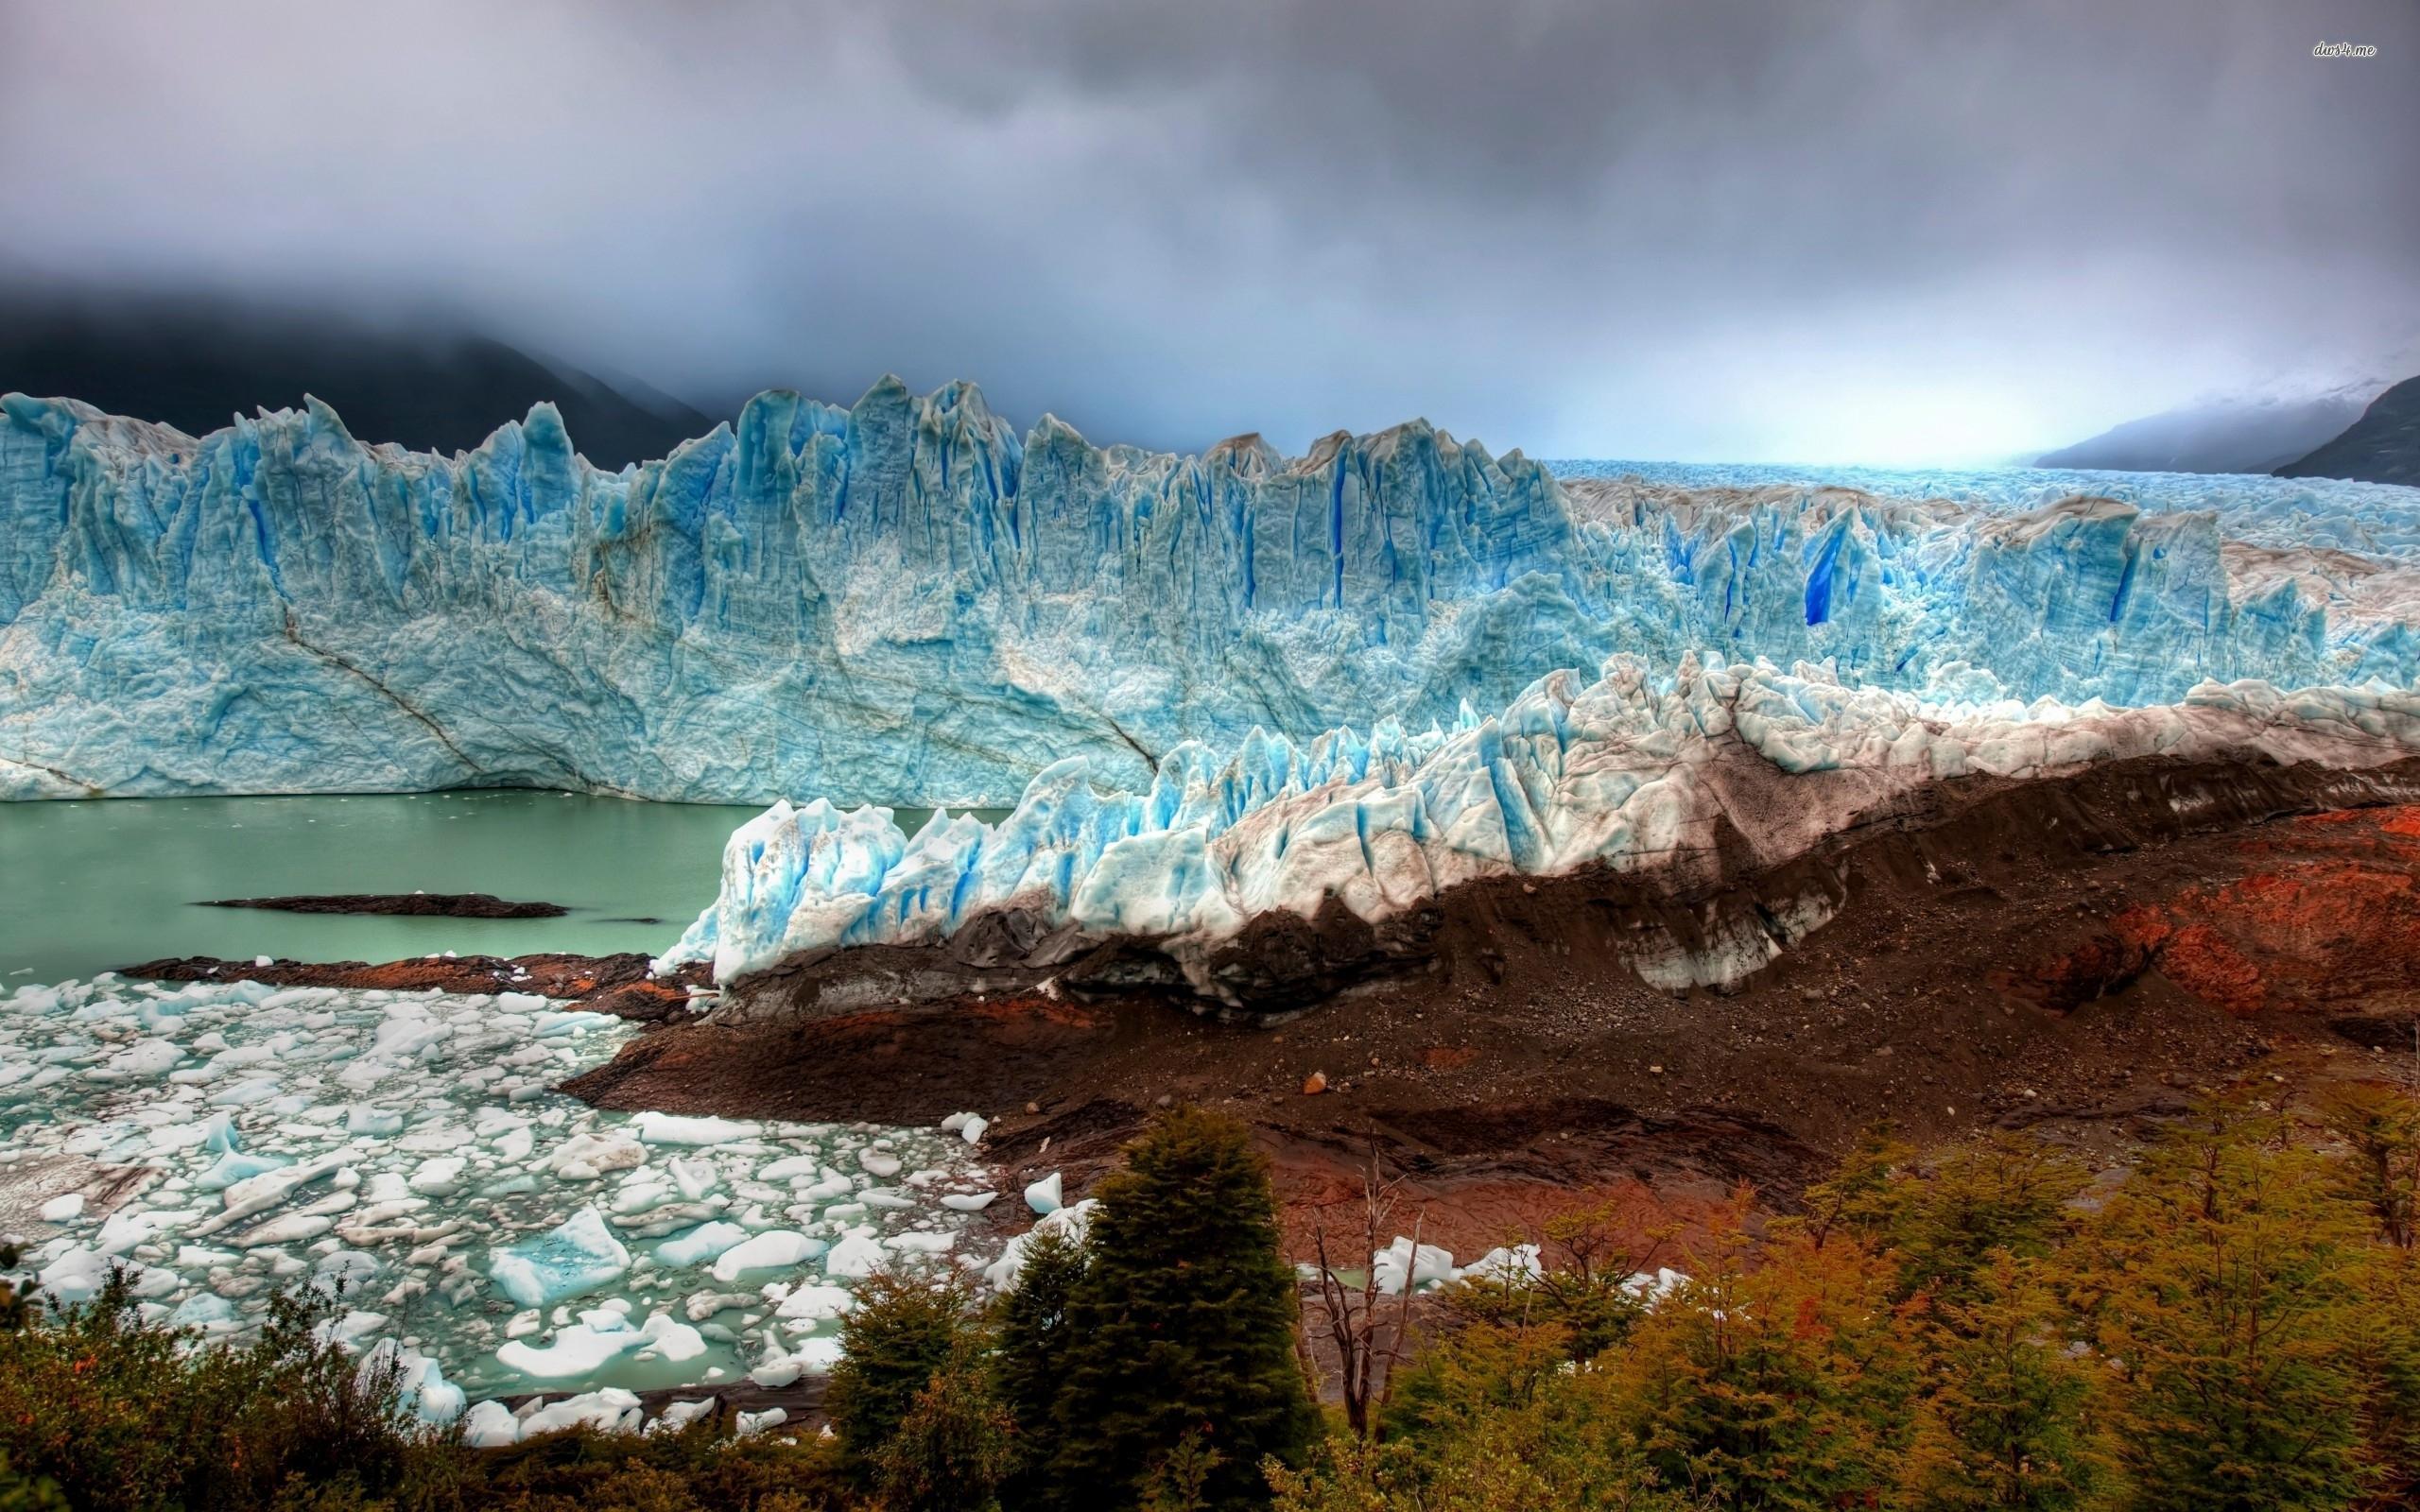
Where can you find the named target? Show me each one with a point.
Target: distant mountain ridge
(2227, 435)
(192, 364)
(2382, 446)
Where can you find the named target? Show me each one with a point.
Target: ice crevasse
(1630, 771)
(905, 600)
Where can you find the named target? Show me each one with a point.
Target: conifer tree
(2002, 1192)
(1181, 1323)
(2224, 1278)
(1031, 1329)
(899, 1336)
(1776, 1377)
(2002, 1429)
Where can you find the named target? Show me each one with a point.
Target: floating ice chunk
(575, 1258)
(577, 1351)
(700, 1243)
(856, 1256)
(816, 1303)
(434, 1399)
(609, 1411)
(363, 1119)
(973, 1132)
(777, 1369)
(286, 1228)
(202, 1310)
(1045, 1196)
(261, 960)
(1518, 1266)
(490, 1425)
(438, 1177)
(880, 1162)
(1075, 1222)
(789, 1166)
(671, 1339)
(968, 1201)
(554, 1025)
(523, 1002)
(350, 1328)
(587, 1156)
(78, 1274)
(671, 1128)
(345, 1272)
(146, 1058)
(751, 1423)
(1431, 1266)
(772, 1250)
(817, 1355)
(239, 1166)
(679, 1415)
(65, 1208)
(922, 1242)
(695, 1178)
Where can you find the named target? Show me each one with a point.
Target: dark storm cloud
(1805, 230)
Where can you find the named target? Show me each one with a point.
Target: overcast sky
(1780, 229)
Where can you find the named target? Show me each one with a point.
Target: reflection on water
(86, 886)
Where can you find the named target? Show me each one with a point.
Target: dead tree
(1367, 1352)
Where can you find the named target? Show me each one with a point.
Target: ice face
(402, 1153)
(904, 601)
(1630, 771)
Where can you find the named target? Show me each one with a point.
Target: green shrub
(900, 1334)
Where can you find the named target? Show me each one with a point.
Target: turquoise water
(87, 886)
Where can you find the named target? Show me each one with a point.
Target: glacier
(1632, 772)
(905, 601)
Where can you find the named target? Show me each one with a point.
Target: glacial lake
(89, 886)
(406, 1150)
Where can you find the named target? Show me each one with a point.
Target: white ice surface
(404, 1151)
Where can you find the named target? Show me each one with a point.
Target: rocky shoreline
(2082, 959)
(1993, 957)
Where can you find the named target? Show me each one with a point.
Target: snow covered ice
(905, 601)
(1634, 770)
(403, 1152)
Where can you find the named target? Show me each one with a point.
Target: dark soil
(1501, 1051)
(411, 905)
(2082, 957)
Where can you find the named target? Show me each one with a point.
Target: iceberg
(577, 1256)
(1634, 771)
(905, 601)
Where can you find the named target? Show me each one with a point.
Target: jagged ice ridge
(1630, 772)
(905, 601)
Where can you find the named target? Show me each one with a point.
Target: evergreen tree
(2002, 1429)
(2000, 1193)
(1865, 1194)
(2225, 1280)
(900, 1334)
(1030, 1330)
(1181, 1323)
(1779, 1378)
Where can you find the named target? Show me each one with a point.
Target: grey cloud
(1726, 227)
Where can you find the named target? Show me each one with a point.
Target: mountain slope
(2240, 436)
(2383, 446)
(194, 365)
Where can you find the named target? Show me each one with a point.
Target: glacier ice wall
(906, 601)
(1633, 772)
